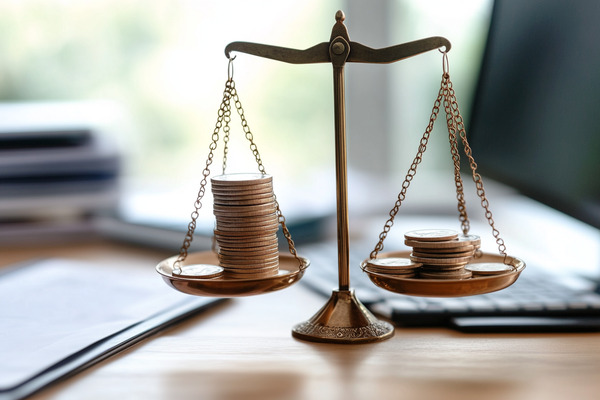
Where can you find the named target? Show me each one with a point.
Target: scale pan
(448, 287)
(289, 273)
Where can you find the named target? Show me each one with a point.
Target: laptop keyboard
(530, 296)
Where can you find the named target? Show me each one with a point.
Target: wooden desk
(244, 350)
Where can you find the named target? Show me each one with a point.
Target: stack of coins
(443, 253)
(246, 225)
(393, 266)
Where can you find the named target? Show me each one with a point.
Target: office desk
(244, 350)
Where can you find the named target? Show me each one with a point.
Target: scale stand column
(343, 319)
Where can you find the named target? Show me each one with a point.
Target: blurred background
(121, 97)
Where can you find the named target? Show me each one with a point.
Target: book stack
(57, 169)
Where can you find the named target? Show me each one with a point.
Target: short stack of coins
(246, 225)
(393, 266)
(443, 253)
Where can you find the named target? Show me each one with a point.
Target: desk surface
(244, 350)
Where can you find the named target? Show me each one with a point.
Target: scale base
(343, 319)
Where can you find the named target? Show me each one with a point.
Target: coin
(431, 235)
(442, 251)
(489, 268)
(262, 190)
(462, 274)
(201, 271)
(440, 261)
(243, 178)
(253, 201)
(392, 262)
(435, 268)
(240, 212)
(460, 241)
(417, 253)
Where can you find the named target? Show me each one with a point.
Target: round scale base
(343, 319)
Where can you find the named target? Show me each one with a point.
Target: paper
(55, 308)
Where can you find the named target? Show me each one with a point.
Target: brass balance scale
(343, 319)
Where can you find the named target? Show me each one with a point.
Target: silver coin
(241, 178)
(431, 235)
(203, 271)
(489, 268)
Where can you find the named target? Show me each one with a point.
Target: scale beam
(359, 53)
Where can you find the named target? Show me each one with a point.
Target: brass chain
(452, 133)
(410, 174)
(473, 165)
(246, 128)
(261, 168)
(226, 128)
(456, 127)
(183, 251)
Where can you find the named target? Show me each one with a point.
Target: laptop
(535, 132)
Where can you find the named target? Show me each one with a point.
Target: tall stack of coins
(246, 225)
(443, 253)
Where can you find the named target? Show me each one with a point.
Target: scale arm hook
(315, 54)
(363, 54)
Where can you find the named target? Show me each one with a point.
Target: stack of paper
(56, 167)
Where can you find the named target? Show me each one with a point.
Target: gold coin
(489, 268)
(431, 235)
(201, 271)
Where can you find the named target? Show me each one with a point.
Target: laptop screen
(535, 122)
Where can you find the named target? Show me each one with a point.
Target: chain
(410, 174)
(452, 133)
(246, 128)
(223, 109)
(261, 169)
(456, 128)
(226, 128)
(288, 236)
(460, 126)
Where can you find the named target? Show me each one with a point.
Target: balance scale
(343, 319)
